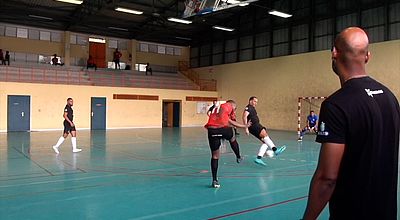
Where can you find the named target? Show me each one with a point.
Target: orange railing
(205, 85)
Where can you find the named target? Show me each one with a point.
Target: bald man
(359, 134)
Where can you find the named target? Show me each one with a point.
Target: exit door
(98, 114)
(98, 52)
(18, 113)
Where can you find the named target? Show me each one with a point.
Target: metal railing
(204, 84)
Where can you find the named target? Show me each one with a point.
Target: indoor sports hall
(142, 76)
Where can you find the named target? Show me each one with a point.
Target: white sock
(73, 141)
(269, 142)
(262, 150)
(60, 141)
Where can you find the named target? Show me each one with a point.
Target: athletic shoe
(76, 150)
(259, 161)
(280, 150)
(215, 184)
(56, 149)
(300, 138)
(240, 159)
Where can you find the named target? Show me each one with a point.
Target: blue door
(18, 113)
(98, 119)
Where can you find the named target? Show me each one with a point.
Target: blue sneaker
(259, 161)
(280, 150)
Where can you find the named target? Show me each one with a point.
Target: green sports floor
(160, 173)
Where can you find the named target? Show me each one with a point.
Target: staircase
(204, 84)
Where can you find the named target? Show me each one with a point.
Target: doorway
(18, 113)
(98, 113)
(171, 113)
(98, 52)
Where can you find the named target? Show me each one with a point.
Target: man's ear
(367, 57)
(334, 53)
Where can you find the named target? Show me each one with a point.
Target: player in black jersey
(69, 127)
(260, 132)
(357, 171)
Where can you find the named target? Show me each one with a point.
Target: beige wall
(278, 82)
(31, 46)
(48, 101)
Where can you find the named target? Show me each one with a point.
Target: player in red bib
(220, 126)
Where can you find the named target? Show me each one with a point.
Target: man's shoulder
(67, 107)
(248, 107)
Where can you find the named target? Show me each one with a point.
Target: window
(72, 39)
(177, 51)
(11, 31)
(113, 44)
(22, 33)
(45, 35)
(2, 29)
(152, 48)
(144, 47)
(161, 49)
(123, 44)
(55, 37)
(81, 40)
(170, 51)
(33, 34)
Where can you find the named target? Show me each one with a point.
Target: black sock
(259, 157)
(214, 168)
(235, 148)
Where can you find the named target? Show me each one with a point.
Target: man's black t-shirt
(365, 116)
(70, 112)
(252, 116)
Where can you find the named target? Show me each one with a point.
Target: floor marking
(163, 214)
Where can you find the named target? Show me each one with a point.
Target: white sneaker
(76, 150)
(56, 149)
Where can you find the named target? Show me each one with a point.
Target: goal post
(313, 102)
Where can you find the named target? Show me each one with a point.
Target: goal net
(305, 105)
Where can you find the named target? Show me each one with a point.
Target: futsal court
(160, 173)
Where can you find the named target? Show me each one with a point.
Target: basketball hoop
(190, 7)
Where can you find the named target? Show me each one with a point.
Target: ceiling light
(183, 38)
(40, 17)
(223, 28)
(180, 20)
(77, 2)
(119, 29)
(243, 4)
(97, 40)
(233, 1)
(129, 11)
(279, 14)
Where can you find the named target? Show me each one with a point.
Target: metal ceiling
(97, 16)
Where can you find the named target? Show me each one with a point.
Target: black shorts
(255, 130)
(216, 134)
(68, 128)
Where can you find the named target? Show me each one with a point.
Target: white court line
(163, 214)
(91, 177)
(56, 181)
